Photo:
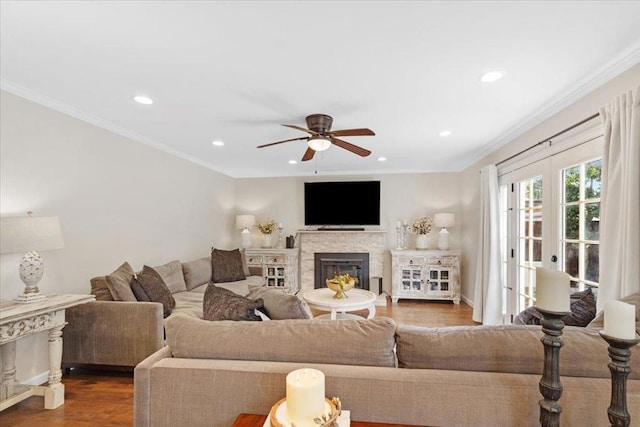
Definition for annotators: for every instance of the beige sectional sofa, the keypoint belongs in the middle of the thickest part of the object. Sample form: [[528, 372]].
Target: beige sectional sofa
[[210, 372], [206, 373]]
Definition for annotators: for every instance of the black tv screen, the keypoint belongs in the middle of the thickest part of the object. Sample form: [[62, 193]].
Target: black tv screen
[[342, 203]]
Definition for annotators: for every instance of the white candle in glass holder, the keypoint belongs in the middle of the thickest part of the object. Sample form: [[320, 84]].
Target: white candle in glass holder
[[305, 396], [552, 290], [620, 320]]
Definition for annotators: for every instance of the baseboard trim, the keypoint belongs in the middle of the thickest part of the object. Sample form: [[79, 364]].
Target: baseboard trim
[[38, 379], [466, 300]]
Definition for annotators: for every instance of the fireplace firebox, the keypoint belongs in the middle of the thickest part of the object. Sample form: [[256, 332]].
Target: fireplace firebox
[[328, 265]]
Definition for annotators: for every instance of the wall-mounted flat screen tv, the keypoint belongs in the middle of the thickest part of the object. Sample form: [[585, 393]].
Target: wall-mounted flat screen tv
[[342, 203]]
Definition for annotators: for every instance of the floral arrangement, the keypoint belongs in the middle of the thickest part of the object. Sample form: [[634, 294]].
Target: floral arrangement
[[422, 225], [268, 226]]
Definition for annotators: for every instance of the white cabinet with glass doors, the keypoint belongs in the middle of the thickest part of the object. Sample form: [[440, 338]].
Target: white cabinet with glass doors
[[425, 275]]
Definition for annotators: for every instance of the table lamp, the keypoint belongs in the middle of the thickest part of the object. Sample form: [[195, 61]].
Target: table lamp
[[444, 220], [27, 235], [244, 223]]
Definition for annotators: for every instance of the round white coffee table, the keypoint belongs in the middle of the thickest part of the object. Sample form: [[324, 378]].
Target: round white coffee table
[[357, 299]]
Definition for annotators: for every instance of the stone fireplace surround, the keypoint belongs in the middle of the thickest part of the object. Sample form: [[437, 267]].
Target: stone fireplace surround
[[339, 241]]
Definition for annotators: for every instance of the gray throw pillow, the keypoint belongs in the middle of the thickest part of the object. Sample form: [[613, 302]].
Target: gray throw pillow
[[222, 304], [148, 284], [227, 266], [280, 305], [119, 283], [100, 289], [583, 310]]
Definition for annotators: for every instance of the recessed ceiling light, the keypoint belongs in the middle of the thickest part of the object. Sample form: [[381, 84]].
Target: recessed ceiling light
[[382, 159], [491, 76], [218, 143], [141, 99], [292, 162], [445, 133]]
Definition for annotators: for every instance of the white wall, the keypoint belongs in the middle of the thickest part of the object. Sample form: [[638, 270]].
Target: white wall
[[401, 196], [585, 107], [117, 201]]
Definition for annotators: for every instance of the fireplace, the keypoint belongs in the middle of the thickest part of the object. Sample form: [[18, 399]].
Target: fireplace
[[327, 265]]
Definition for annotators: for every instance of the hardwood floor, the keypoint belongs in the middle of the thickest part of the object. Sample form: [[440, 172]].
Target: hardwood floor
[[102, 398]]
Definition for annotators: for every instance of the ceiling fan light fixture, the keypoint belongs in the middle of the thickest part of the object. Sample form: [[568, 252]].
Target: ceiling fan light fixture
[[319, 143]]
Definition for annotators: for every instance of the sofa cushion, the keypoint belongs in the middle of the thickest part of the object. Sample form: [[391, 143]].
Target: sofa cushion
[[100, 289], [583, 310], [172, 276], [245, 266], [280, 305], [222, 304], [197, 272], [508, 349], [119, 283], [346, 342], [150, 287], [227, 266]]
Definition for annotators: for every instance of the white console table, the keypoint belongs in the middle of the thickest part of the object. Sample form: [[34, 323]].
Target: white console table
[[21, 320]]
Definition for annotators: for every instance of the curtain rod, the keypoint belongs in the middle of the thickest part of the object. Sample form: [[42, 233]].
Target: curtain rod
[[548, 139]]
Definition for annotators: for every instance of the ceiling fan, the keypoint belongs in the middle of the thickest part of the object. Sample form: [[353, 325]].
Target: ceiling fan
[[322, 137]]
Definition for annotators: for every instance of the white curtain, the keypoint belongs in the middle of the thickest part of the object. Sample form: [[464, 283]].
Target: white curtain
[[620, 209], [487, 301]]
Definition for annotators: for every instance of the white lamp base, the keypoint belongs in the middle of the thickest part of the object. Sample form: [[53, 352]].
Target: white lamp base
[[443, 240], [245, 238], [31, 270]]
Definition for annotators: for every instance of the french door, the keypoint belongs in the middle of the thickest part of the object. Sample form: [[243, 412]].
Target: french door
[[550, 218]]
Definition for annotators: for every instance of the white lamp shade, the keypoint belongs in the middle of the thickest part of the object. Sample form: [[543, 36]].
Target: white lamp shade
[[319, 143], [26, 234], [245, 221], [444, 220]]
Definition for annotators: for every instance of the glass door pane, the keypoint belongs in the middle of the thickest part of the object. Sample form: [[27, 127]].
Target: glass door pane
[[580, 237], [529, 235]]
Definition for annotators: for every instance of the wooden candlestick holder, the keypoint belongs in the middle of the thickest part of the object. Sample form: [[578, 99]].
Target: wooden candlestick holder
[[620, 353], [550, 386]]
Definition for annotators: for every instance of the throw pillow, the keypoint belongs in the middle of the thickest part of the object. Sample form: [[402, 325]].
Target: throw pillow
[[245, 266], [173, 276], [222, 304], [227, 266], [152, 288], [197, 272], [583, 310], [100, 289], [119, 283], [280, 305]]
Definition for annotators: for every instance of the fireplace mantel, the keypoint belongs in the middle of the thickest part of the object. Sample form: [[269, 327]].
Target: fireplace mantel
[[372, 242]]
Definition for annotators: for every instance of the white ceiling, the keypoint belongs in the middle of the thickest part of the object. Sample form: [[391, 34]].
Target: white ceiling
[[236, 70]]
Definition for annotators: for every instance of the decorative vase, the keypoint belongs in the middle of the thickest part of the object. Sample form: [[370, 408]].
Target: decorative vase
[[267, 241], [421, 241]]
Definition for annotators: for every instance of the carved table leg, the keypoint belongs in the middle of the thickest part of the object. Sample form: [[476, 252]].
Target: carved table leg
[[620, 354], [8, 351], [550, 385], [54, 393]]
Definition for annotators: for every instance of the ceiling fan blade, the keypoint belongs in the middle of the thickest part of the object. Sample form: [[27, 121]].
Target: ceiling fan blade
[[308, 155], [302, 129], [280, 142], [352, 132], [350, 147]]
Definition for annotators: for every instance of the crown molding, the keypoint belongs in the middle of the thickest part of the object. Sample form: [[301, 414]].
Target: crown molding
[[607, 72], [61, 107]]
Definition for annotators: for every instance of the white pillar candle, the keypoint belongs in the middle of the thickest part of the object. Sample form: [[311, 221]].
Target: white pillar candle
[[620, 320], [305, 396], [398, 224], [552, 290]]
